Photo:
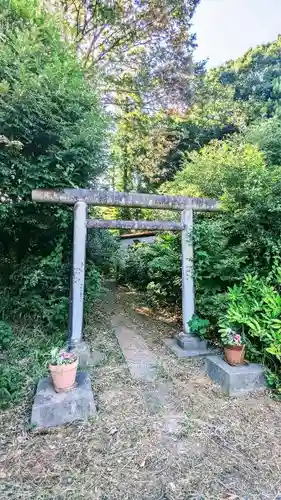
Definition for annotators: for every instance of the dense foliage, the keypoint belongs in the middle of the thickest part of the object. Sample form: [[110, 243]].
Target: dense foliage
[[231, 151], [123, 40], [154, 269], [53, 128], [177, 130], [53, 135], [230, 98], [254, 312]]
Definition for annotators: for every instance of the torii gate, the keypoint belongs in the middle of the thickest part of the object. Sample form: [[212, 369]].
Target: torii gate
[[81, 198]]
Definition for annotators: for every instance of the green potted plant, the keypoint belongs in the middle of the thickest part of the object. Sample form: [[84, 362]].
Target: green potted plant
[[63, 368], [234, 345]]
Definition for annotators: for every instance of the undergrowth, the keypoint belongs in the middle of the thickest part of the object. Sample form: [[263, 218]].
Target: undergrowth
[[24, 359]]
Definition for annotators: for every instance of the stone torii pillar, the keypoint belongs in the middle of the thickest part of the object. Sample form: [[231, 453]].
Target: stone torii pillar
[[81, 198], [188, 297]]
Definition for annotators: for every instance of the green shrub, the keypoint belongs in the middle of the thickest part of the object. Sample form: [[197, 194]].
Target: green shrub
[[6, 335], [217, 265], [155, 269], [11, 380], [102, 248], [245, 238], [25, 361], [274, 383], [199, 326], [39, 289], [254, 309], [133, 263], [92, 286], [53, 135], [54, 132], [164, 272]]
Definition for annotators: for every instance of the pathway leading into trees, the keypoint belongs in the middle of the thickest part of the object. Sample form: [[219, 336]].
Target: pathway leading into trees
[[144, 366], [163, 430]]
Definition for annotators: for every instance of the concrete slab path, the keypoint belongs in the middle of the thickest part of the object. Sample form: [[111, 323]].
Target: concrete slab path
[[141, 361], [143, 367]]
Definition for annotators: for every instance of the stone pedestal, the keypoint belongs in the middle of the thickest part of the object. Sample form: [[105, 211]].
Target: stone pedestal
[[188, 346], [51, 409], [192, 343], [235, 380]]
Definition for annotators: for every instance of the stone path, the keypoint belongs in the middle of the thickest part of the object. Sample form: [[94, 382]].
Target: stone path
[[176, 437], [141, 361], [143, 367]]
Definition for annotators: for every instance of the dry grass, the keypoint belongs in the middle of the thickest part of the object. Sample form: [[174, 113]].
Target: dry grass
[[224, 449]]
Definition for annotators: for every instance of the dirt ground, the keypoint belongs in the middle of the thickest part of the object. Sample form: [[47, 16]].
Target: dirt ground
[[226, 448]]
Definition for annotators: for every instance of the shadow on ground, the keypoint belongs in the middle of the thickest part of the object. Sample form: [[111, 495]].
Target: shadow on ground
[[219, 448]]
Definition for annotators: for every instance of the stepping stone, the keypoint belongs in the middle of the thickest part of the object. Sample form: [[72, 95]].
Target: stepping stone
[[51, 409], [141, 361], [153, 401], [236, 380], [157, 397], [191, 349]]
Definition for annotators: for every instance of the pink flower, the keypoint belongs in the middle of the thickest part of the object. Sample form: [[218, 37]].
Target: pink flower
[[66, 355]]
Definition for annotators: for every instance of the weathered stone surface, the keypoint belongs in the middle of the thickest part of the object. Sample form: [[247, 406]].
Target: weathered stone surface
[[235, 380], [51, 409], [156, 225], [173, 345], [190, 342], [87, 358], [157, 396], [115, 198], [141, 361]]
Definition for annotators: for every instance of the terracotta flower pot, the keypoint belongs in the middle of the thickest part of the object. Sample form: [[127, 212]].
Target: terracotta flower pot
[[63, 376], [234, 355]]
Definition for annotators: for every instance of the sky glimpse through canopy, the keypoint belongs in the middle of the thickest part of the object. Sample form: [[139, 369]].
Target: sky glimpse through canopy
[[225, 29]]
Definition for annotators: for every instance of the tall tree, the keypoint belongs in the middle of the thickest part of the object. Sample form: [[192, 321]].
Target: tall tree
[[53, 136], [141, 47], [142, 51], [255, 77], [140, 144], [229, 98]]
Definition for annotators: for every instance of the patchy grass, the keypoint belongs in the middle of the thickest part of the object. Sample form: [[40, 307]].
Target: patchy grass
[[24, 361], [226, 449]]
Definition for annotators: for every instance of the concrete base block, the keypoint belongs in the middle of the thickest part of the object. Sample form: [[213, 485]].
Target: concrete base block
[[51, 409], [173, 345], [190, 342], [235, 380]]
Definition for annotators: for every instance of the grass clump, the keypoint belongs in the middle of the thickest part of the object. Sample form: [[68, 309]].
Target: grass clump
[[24, 357]]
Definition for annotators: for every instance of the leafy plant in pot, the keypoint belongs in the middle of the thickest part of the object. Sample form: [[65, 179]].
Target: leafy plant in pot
[[63, 369], [234, 346]]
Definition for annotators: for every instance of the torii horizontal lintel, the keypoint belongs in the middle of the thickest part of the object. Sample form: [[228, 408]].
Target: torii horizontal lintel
[[156, 225], [116, 198]]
